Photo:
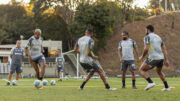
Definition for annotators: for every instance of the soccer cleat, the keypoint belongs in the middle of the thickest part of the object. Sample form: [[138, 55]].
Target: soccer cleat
[[59, 79], [134, 87], [8, 84], [111, 88], [123, 86], [150, 85], [80, 88], [166, 89]]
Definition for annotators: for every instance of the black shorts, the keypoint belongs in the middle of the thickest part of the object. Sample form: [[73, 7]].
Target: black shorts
[[90, 67], [154, 63], [128, 63]]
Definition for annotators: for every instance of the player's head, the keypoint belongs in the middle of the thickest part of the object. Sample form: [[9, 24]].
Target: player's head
[[18, 43], [37, 33], [125, 35], [89, 32], [149, 29]]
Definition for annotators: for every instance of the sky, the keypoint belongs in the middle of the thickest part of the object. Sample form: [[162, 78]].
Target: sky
[[139, 3]]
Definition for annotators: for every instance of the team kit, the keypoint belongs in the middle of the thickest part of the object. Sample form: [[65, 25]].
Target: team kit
[[154, 47]]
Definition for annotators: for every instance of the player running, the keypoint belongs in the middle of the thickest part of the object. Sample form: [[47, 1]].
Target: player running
[[84, 46], [35, 55], [156, 49], [60, 65], [125, 51], [17, 53]]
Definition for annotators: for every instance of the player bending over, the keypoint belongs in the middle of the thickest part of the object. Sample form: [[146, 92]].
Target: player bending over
[[84, 46], [17, 53], [126, 55], [60, 65], [35, 55], [156, 49]]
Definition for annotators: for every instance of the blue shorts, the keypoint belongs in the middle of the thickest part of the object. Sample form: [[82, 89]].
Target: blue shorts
[[60, 68], [16, 67], [40, 59], [128, 63]]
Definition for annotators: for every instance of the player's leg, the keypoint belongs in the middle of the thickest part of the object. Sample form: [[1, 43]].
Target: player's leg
[[60, 76], [143, 71], [12, 70], [101, 74], [42, 63], [123, 79], [86, 80], [124, 67], [133, 78], [35, 65], [42, 66], [163, 78], [132, 70]]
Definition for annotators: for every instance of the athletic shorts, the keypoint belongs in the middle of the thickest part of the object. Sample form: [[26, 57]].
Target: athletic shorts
[[60, 68], [16, 68], [40, 59], [128, 63], [90, 67], [154, 63]]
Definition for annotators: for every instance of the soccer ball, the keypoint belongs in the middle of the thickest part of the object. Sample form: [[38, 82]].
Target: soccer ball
[[38, 84], [14, 82], [45, 82], [52, 82]]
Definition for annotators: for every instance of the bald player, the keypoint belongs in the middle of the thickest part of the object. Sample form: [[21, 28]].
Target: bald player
[[34, 51], [17, 53]]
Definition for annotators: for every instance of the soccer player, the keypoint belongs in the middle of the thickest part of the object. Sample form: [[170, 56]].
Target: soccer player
[[17, 53], [35, 55], [125, 51], [156, 49], [84, 46], [60, 65]]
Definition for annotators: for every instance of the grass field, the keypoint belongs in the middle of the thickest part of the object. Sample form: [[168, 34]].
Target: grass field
[[94, 91]]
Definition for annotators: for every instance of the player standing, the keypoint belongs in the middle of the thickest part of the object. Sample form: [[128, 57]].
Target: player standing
[[35, 55], [125, 51], [60, 65], [84, 46], [17, 53], [156, 49]]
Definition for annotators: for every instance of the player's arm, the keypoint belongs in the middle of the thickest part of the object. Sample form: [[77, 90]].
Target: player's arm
[[120, 52], [42, 49], [76, 48], [12, 51], [91, 45], [146, 47], [135, 49], [166, 62], [26, 49]]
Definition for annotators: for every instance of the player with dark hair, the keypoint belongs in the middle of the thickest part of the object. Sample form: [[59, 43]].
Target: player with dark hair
[[155, 47], [125, 52], [84, 47]]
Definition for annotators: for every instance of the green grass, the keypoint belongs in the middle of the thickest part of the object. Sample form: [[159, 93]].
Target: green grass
[[94, 91]]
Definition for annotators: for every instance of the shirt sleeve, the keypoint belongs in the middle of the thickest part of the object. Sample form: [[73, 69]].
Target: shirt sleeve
[[134, 44], [120, 46], [91, 44], [147, 40], [29, 43]]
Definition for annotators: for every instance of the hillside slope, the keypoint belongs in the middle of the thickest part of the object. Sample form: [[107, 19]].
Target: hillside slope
[[163, 27]]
